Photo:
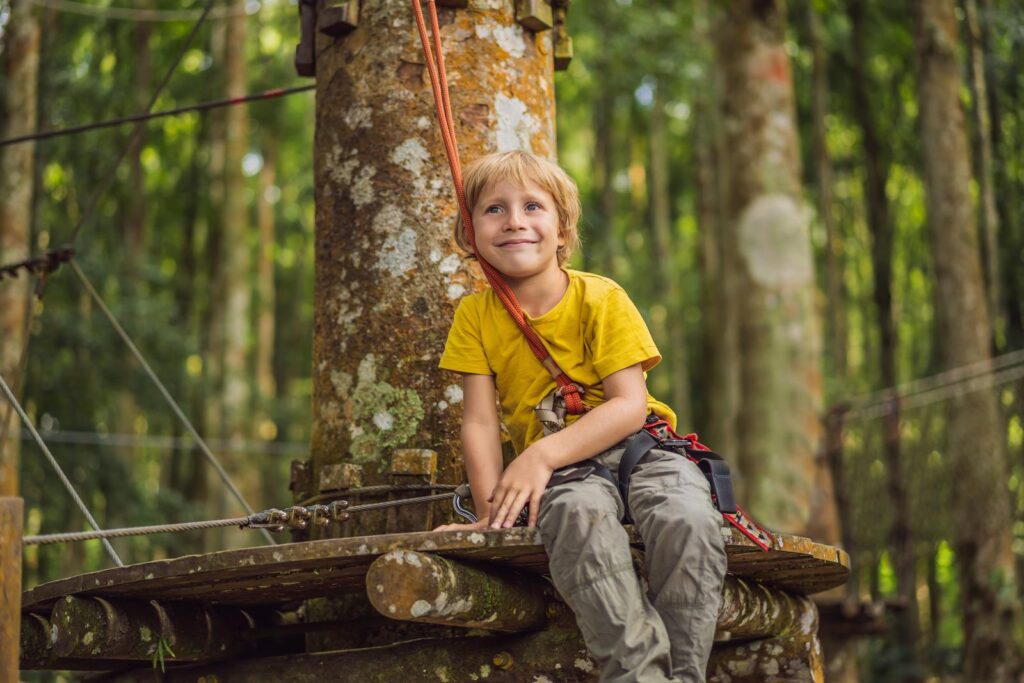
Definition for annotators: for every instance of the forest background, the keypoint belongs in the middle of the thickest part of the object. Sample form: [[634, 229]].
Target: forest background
[[203, 245]]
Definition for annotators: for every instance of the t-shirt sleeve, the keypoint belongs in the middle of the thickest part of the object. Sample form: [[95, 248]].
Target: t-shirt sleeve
[[464, 350], [619, 336]]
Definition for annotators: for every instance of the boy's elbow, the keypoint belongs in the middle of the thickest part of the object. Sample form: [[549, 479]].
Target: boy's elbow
[[637, 412]]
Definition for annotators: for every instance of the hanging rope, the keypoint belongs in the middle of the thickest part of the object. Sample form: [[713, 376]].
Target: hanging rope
[[569, 390], [201, 106], [56, 466], [221, 472]]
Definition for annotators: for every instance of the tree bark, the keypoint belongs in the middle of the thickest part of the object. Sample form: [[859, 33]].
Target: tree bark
[[768, 222], [388, 276], [237, 260], [17, 176], [719, 382], [880, 225], [981, 506], [988, 216]]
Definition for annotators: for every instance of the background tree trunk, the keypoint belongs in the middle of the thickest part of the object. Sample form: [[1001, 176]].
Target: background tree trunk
[[719, 379], [988, 216], [237, 260], [16, 189], [767, 220], [666, 275], [982, 538], [881, 228], [388, 276]]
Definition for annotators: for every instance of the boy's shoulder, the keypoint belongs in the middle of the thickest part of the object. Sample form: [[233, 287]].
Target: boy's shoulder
[[594, 288]]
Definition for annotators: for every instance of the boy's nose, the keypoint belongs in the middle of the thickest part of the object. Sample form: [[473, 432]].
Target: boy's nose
[[516, 220]]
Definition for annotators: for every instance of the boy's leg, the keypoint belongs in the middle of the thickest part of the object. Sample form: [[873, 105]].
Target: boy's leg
[[685, 555], [592, 569]]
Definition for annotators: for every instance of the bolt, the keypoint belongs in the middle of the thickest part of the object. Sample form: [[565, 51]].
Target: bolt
[[503, 660], [552, 611]]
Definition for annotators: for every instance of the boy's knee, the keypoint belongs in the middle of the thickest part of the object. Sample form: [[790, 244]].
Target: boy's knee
[[578, 507]]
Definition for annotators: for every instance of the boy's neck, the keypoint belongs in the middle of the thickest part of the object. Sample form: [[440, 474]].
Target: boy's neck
[[540, 293]]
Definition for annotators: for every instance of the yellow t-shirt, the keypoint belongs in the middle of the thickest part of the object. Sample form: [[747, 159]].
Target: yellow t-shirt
[[593, 331]]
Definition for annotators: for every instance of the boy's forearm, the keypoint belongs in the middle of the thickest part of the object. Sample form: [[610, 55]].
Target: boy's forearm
[[481, 448], [596, 431]]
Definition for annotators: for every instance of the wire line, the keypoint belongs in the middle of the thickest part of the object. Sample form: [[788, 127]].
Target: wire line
[[201, 106], [133, 14], [56, 466], [137, 132], [221, 472]]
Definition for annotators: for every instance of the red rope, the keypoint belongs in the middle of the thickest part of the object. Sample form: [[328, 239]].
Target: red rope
[[569, 390]]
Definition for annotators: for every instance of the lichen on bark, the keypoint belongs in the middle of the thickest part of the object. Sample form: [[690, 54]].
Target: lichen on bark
[[388, 274]]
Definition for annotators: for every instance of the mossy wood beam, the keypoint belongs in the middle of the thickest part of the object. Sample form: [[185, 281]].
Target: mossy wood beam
[[413, 586], [94, 629], [790, 652], [556, 653]]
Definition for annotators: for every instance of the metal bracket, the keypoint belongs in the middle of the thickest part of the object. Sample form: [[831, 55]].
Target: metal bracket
[[534, 15], [339, 20], [562, 39], [305, 51]]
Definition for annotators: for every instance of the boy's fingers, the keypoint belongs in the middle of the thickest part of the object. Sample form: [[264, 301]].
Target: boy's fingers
[[501, 503], [517, 505], [535, 508]]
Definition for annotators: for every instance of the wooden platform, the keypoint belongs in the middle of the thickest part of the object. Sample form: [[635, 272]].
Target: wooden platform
[[270, 575]]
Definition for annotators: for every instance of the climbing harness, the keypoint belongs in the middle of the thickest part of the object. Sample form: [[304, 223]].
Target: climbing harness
[[567, 398]]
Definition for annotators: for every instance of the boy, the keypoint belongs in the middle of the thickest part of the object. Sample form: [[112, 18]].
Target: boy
[[524, 210]]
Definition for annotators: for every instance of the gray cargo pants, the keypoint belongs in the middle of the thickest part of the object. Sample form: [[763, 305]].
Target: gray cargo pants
[[664, 633]]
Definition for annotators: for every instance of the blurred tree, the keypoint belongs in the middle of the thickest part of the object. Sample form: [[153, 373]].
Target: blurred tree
[[767, 220], [982, 538], [876, 173], [17, 176]]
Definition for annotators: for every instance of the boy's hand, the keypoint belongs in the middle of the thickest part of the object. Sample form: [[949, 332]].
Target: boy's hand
[[523, 481], [479, 525]]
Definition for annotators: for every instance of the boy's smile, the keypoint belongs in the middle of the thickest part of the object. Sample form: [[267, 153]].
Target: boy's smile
[[517, 229]]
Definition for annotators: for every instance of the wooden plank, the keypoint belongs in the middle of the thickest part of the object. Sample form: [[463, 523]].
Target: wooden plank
[[10, 586], [276, 574]]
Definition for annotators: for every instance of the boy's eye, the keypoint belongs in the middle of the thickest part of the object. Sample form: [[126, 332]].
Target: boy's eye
[[492, 209], [532, 206]]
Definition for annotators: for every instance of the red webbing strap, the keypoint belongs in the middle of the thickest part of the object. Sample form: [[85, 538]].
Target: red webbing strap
[[739, 519], [569, 390]]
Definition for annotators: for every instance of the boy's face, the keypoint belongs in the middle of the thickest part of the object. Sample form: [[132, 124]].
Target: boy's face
[[517, 229]]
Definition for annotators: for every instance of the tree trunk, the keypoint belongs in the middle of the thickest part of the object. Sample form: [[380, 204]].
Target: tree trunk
[[237, 292], [825, 523], [16, 190], [666, 275], [780, 381], [599, 252], [719, 382], [836, 304], [988, 217], [880, 225], [388, 276], [266, 386], [982, 538]]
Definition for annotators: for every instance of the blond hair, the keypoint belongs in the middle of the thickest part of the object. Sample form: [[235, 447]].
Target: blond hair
[[522, 167]]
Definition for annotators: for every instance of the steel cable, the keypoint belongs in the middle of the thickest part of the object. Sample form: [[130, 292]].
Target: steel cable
[[149, 116], [241, 522], [60, 472], [166, 394]]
